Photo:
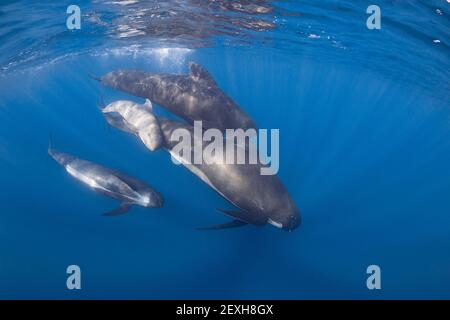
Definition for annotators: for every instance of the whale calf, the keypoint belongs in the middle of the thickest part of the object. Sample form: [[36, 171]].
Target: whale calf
[[193, 96], [139, 121], [128, 190], [261, 199]]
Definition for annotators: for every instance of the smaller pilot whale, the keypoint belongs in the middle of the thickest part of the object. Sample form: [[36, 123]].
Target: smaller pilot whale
[[128, 190], [140, 121], [193, 96]]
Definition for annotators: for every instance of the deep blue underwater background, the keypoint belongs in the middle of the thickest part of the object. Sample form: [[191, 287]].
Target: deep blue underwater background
[[364, 119]]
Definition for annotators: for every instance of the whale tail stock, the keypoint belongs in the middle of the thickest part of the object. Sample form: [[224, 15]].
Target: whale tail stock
[[61, 158], [50, 138]]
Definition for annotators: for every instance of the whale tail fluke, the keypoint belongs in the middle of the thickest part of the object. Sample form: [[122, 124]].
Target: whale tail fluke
[[50, 144], [101, 103], [58, 157]]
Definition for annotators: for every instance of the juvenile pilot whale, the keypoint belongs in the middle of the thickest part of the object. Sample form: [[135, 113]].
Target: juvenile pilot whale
[[262, 199], [140, 121], [195, 96], [128, 190]]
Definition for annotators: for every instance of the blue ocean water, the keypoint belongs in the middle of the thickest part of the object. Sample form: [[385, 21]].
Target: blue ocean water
[[364, 119]]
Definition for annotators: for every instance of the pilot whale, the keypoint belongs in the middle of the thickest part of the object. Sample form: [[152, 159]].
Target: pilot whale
[[140, 121], [193, 96], [261, 199], [128, 190]]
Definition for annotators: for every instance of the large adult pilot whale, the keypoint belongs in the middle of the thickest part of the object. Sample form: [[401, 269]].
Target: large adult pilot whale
[[128, 190], [192, 96], [262, 199]]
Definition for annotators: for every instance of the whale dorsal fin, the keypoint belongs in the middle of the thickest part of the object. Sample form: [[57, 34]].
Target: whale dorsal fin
[[148, 105], [200, 74]]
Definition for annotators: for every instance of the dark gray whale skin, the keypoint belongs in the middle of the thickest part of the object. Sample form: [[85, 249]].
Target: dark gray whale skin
[[128, 190], [262, 198], [193, 96]]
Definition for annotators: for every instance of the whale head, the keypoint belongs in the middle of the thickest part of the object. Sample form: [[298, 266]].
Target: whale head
[[286, 217], [151, 199]]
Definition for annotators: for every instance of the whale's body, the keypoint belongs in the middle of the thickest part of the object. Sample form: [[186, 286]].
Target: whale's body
[[140, 121], [193, 96], [261, 199], [128, 190]]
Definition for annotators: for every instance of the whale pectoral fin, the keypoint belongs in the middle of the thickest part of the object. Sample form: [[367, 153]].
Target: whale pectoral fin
[[124, 207], [227, 225], [246, 216], [199, 73], [117, 121]]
